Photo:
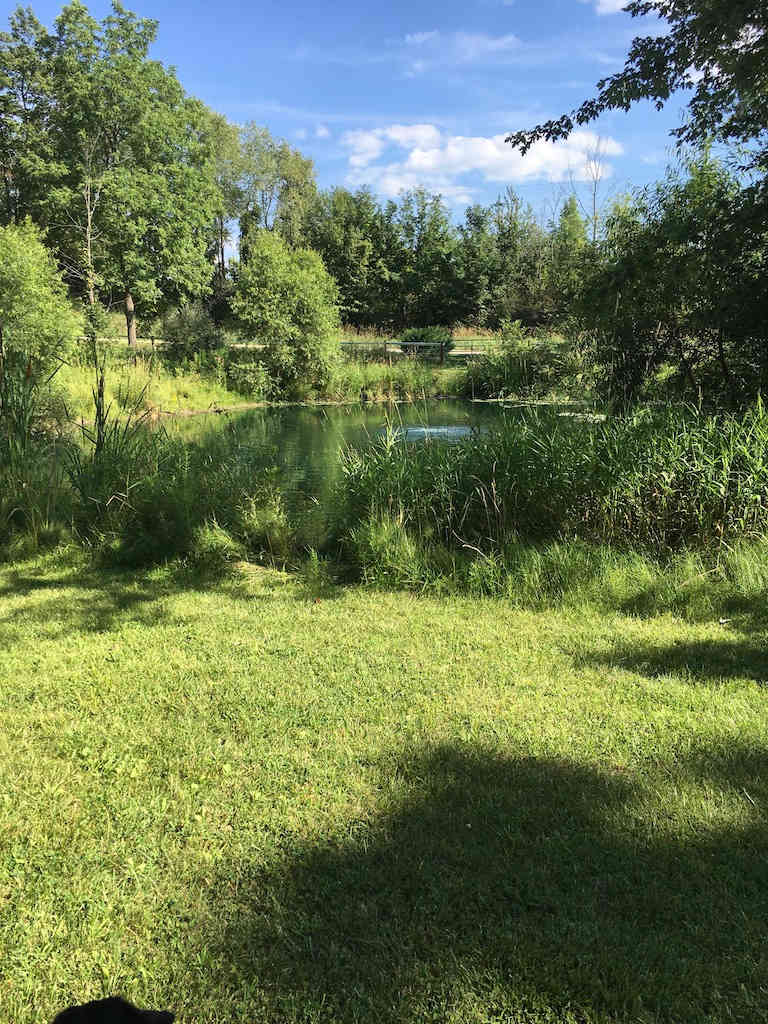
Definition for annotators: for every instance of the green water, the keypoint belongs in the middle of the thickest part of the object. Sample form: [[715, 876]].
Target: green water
[[303, 442]]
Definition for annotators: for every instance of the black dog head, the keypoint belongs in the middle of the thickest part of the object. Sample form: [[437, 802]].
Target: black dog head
[[112, 1011]]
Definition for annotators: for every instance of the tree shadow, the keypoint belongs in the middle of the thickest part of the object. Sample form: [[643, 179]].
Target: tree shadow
[[700, 661], [515, 889], [703, 603], [98, 599]]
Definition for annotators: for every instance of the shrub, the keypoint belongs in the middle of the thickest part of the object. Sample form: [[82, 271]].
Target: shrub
[[250, 379], [37, 323], [189, 330], [528, 364], [213, 549], [288, 301]]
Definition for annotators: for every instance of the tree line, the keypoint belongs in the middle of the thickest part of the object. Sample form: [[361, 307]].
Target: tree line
[[138, 190]]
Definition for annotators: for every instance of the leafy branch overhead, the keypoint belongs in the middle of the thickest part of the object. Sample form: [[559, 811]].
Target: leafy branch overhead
[[715, 49]]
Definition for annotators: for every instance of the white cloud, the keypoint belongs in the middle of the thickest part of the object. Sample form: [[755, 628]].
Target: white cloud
[[301, 133], [419, 38], [322, 132], [413, 136], [438, 49], [476, 45], [368, 146], [610, 6], [422, 155]]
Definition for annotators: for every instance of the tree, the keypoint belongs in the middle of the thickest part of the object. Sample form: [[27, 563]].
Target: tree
[[227, 174], [679, 281], [24, 109], [521, 286], [477, 265], [569, 239], [426, 270], [716, 48], [344, 227], [288, 301], [277, 186], [37, 323], [118, 167]]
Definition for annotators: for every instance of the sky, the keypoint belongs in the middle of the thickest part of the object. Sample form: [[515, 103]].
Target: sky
[[399, 94]]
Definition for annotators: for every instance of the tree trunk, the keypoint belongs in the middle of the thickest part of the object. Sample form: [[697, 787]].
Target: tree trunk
[[130, 318], [727, 376], [90, 275], [222, 264]]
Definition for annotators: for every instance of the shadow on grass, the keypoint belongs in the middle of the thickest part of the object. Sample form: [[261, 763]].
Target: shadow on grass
[[702, 661], [99, 599], [94, 599], [522, 890], [702, 601]]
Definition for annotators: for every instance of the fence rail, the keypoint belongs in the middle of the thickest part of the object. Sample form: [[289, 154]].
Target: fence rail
[[465, 347]]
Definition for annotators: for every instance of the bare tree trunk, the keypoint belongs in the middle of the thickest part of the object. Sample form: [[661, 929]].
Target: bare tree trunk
[[89, 273], [130, 318], [687, 368], [222, 265]]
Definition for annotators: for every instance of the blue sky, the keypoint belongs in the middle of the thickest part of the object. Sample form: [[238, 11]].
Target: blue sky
[[399, 94]]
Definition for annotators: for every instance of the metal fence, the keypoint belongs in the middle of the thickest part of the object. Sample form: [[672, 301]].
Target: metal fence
[[385, 348]]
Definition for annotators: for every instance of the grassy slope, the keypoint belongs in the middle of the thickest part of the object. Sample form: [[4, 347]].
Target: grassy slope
[[251, 802], [161, 389], [124, 385]]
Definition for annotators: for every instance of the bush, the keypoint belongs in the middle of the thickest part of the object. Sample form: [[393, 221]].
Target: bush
[[37, 324], [213, 550], [189, 330], [249, 379], [413, 342], [288, 301], [530, 365]]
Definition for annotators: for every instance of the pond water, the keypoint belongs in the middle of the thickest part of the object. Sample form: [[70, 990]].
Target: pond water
[[304, 441]]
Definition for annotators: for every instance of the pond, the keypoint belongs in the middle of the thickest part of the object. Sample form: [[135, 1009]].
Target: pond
[[304, 441]]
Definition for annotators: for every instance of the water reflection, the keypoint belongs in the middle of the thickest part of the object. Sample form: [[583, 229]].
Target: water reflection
[[303, 442]]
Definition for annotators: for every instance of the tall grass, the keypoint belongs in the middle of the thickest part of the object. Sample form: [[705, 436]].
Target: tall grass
[[404, 379], [146, 497], [530, 366], [655, 482], [32, 499]]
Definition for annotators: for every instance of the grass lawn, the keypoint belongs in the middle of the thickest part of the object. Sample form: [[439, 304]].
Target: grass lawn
[[249, 801]]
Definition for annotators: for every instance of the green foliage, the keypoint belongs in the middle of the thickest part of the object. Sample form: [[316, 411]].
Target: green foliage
[[409, 379], [287, 301], [655, 481], [276, 187], [189, 329], [678, 284], [33, 505], [404, 264], [143, 496], [716, 48], [426, 342], [250, 379], [103, 131], [213, 550], [345, 228], [569, 256], [528, 364], [37, 324]]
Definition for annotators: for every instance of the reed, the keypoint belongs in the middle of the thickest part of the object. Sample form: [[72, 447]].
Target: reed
[[654, 482]]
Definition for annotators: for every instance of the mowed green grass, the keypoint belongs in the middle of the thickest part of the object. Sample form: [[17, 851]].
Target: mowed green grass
[[253, 801]]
